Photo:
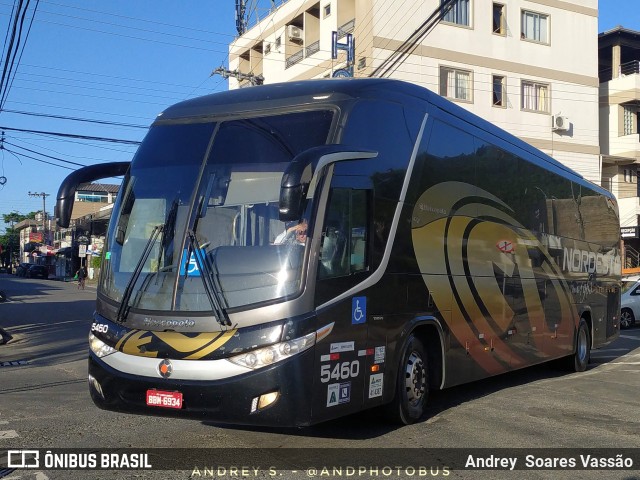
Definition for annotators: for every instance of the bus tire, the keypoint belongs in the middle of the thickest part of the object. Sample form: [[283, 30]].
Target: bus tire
[[580, 359], [412, 386]]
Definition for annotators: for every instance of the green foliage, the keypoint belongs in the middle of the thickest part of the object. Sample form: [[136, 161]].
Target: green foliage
[[16, 217], [96, 261]]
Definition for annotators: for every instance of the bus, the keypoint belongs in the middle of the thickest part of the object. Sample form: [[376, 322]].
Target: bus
[[431, 249]]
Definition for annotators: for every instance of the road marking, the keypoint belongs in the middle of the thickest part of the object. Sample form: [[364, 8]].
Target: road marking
[[630, 337], [610, 350], [14, 363], [8, 434]]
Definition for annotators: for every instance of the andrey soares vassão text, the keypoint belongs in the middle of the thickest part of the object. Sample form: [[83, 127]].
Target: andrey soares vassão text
[[585, 461]]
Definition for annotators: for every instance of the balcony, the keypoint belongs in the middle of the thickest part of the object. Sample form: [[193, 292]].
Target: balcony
[[294, 58], [346, 28], [630, 68], [312, 48]]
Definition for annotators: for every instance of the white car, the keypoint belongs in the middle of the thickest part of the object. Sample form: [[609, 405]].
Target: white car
[[630, 302]]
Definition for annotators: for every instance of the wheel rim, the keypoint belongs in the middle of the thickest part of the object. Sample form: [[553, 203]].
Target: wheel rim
[[625, 319], [415, 379], [582, 345]]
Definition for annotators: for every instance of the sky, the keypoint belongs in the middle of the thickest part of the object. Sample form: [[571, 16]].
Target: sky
[[120, 62]]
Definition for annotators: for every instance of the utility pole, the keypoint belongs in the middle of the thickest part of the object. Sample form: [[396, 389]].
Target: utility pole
[[44, 214]]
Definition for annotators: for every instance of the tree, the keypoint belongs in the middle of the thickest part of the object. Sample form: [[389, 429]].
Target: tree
[[10, 241]]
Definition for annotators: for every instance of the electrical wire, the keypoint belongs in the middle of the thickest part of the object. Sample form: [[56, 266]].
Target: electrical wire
[[73, 135]]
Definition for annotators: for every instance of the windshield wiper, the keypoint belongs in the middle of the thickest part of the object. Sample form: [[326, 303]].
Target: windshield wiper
[[213, 294], [123, 309]]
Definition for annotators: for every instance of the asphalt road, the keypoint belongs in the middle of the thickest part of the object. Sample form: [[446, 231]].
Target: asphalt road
[[44, 403]]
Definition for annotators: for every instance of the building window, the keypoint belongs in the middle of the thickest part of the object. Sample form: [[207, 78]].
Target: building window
[[455, 83], [267, 48], [499, 19], [326, 10], [95, 197], [535, 97], [630, 175], [628, 121], [278, 42], [458, 14], [535, 26], [499, 91]]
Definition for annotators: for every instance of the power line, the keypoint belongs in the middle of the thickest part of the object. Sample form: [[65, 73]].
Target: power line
[[45, 155], [76, 119], [72, 135], [8, 71], [37, 159]]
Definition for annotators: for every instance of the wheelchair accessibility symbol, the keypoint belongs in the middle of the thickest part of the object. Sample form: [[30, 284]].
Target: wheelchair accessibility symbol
[[358, 310]]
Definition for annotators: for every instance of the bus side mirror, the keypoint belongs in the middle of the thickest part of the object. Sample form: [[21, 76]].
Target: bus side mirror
[[298, 175], [67, 190]]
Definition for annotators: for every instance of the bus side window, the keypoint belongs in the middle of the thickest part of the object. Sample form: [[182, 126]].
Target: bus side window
[[345, 233]]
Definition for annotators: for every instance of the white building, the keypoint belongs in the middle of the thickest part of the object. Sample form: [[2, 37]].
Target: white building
[[521, 64]]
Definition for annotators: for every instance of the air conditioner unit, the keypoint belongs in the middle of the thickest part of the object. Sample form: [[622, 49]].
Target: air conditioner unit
[[560, 123], [294, 33]]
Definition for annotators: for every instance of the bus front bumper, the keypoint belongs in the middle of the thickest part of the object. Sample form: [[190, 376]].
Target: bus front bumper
[[232, 400]]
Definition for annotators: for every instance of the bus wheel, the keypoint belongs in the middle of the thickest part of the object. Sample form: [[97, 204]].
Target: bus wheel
[[413, 386], [580, 359]]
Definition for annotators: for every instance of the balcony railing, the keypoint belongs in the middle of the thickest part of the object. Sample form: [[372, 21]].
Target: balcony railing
[[630, 68], [295, 58], [312, 48], [346, 28]]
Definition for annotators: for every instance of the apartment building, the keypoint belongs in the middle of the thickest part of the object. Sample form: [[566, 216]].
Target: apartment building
[[528, 66], [619, 60]]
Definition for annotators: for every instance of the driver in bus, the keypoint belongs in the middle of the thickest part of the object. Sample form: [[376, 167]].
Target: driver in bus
[[293, 234]]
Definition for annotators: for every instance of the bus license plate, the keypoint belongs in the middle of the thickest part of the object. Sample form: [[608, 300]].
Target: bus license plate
[[158, 398]]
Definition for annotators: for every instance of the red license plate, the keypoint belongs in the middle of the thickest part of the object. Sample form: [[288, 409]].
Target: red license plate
[[158, 398]]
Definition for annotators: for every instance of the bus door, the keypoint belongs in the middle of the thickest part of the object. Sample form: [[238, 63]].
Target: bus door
[[341, 359]]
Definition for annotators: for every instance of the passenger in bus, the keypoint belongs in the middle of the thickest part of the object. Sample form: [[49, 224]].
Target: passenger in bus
[[295, 233]]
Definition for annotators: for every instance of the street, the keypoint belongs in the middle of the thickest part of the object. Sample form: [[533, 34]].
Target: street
[[44, 403]]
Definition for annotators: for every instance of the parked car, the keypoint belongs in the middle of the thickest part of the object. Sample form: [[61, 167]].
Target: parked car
[[21, 270], [38, 271], [630, 303]]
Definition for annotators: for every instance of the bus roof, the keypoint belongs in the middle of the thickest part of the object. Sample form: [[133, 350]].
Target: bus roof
[[310, 92]]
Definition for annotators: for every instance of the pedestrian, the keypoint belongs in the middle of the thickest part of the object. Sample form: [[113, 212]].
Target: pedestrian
[[82, 275]]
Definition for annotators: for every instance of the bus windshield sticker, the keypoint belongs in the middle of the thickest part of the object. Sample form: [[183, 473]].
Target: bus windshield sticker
[[193, 269], [358, 310]]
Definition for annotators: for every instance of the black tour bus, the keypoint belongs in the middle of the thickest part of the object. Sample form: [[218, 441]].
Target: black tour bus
[[439, 250]]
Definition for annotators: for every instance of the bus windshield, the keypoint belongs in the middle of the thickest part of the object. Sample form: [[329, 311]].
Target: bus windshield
[[196, 222]]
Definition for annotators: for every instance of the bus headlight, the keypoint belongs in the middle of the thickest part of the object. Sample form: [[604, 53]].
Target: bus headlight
[[100, 348], [263, 357]]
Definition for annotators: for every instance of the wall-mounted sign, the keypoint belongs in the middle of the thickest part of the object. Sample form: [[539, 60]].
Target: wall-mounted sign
[[629, 232], [35, 237]]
